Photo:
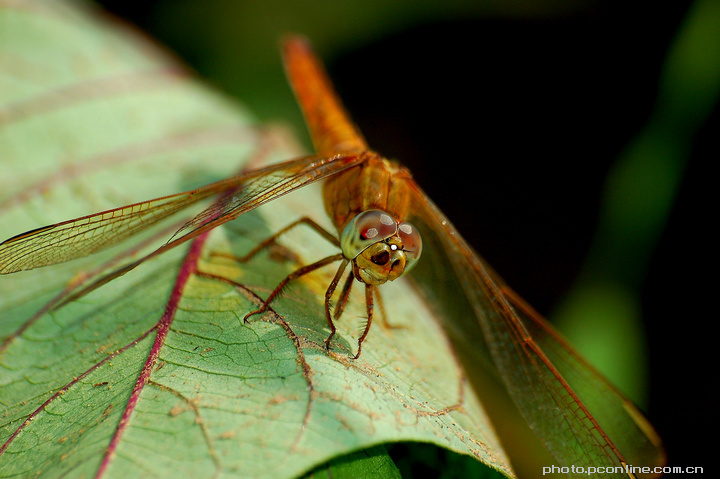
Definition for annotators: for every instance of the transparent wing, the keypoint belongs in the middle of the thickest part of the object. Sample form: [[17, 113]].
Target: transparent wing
[[80, 237], [580, 417]]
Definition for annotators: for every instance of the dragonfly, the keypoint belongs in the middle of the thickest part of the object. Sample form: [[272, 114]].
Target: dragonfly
[[375, 205]]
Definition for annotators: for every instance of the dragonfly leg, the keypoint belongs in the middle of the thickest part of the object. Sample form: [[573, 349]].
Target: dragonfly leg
[[369, 291], [328, 296], [268, 242], [344, 296], [383, 315], [374, 296], [294, 275]]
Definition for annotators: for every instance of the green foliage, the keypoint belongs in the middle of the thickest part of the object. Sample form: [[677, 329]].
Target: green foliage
[[94, 116]]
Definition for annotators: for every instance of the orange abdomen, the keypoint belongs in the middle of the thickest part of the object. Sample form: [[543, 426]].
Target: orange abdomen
[[376, 183]]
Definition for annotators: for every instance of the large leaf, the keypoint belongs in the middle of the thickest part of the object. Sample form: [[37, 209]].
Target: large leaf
[[155, 373]]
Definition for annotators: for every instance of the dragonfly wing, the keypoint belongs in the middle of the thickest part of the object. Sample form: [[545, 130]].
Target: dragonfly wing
[[630, 431], [572, 408], [80, 237], [273, 183]]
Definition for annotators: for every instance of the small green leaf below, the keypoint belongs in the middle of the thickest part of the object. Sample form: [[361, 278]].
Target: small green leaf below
[[370, 463], [93, 116], [415, 459]]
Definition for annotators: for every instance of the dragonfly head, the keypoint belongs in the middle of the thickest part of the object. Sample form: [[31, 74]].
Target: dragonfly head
[[381, 249]]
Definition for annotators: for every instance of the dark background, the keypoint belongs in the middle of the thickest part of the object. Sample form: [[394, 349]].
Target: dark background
[[511, 118]]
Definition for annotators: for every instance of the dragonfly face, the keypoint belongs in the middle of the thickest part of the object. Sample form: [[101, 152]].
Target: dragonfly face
[[381, 249]]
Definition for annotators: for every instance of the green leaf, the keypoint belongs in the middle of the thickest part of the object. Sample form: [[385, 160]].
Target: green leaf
[[155, 374], [370, 463]]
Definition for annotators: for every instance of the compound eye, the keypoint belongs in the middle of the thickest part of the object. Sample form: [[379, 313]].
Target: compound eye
[[374, 225], [412, 244], [365, 229]]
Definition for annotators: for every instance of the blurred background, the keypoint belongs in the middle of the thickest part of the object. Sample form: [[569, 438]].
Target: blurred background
[[567, 140]]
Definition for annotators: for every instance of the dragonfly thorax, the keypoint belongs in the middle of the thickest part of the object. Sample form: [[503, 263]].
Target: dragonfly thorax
[[374, 184], [381, 249]]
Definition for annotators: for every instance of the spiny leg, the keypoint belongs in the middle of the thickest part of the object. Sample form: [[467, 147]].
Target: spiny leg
[[383, 315], [372, 294], [294, 275], [381, 305], [344, 296], [272, 239], [328, 296], [369, 289]]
